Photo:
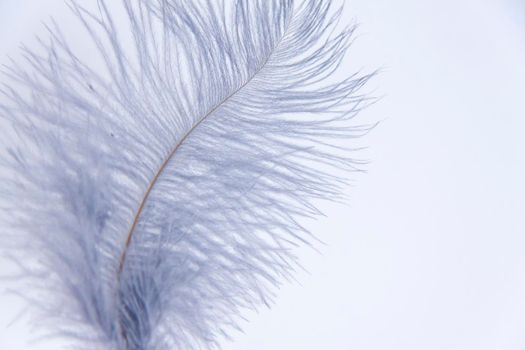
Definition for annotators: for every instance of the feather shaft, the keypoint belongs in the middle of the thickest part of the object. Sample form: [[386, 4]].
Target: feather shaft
[[171, 155]]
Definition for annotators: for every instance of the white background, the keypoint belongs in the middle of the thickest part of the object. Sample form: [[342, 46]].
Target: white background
[[430, 254]]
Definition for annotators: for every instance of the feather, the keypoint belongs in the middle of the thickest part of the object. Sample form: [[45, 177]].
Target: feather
[[151, 201]]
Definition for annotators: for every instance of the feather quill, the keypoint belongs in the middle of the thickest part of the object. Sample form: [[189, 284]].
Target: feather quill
[[150, 202]]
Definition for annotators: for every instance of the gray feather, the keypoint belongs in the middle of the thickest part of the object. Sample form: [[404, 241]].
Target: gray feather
[[151, 203]]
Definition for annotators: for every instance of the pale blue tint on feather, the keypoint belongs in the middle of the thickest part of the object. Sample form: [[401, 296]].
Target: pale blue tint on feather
[[253, 82]]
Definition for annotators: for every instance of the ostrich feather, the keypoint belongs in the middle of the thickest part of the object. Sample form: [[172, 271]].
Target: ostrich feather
[[149, 202]]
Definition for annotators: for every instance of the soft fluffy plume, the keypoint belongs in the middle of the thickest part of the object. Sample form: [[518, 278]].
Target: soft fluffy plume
[[150, 203]]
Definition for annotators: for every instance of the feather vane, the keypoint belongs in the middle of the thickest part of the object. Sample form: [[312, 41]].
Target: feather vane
[[163, 195]]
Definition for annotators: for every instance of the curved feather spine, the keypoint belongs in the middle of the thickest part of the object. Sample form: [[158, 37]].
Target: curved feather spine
[[168, 159]]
